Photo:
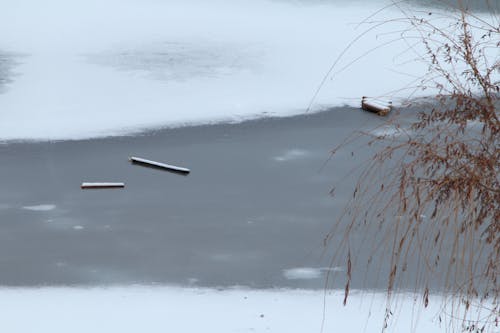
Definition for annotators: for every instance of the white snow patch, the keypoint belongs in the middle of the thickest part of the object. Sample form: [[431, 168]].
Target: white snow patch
[[289, 155], [309, 273], [87, 185], [302, 273], [101, 68], [193, 281], [161, 309], [40, 208], [378, 104], [390, 131]]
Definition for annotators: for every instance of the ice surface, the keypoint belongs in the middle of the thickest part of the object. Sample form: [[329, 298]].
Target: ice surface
[[291, 154], [308, 273], [95, 68], [390, 131], [99, 68], [170, 309], [302, 273], [41, 208]]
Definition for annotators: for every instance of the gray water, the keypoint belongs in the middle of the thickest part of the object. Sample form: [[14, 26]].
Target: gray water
[[255, 206], [492, 6], [254, 211]]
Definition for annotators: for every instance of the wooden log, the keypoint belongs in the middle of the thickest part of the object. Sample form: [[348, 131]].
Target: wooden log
[[158, 165], [380, 110], [87, 186]]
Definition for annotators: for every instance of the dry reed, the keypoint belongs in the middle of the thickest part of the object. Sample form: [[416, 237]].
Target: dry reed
[[434, 192]]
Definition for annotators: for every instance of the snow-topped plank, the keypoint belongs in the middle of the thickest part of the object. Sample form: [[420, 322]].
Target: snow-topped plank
[[158, 165], [376, 107], [104, 185]]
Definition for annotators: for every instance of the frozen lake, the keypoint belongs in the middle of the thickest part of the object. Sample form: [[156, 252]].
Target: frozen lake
[[237, 245], [83, 69], [86, 84]]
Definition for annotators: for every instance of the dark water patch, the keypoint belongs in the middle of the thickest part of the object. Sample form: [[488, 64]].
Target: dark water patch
[[254, 210], [483, 6], [245, 215]]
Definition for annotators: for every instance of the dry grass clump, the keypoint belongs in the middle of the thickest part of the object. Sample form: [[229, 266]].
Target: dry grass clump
[[434, 192]]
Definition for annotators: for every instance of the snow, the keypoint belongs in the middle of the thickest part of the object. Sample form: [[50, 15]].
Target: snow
[[378, 104], [390, 131], [93, 68], [302, 273], [289, 155], [101, 185], [175, 309], [307, 273], [40, 208]]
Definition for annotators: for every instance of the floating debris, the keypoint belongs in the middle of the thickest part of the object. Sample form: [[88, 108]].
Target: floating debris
[[85, 186], [158, 165], [375, 107]]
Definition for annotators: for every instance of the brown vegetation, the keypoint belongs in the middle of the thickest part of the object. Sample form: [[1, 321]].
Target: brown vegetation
[[434, 192]]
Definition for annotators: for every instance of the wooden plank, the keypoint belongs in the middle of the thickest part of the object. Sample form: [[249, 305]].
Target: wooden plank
[[159, 165], [86, 186], [375, 108]]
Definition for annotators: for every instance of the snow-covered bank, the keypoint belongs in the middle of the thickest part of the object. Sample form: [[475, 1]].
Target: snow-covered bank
[[171, 309], [100, 68]]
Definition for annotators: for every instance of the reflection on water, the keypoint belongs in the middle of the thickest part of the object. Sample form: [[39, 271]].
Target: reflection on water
[[178, 61]]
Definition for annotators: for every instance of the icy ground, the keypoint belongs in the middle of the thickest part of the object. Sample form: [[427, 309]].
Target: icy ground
[[171, 309], [98, 68]]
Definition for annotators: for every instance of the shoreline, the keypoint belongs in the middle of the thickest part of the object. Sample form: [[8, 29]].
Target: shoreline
[[135, 309], [256, 119]]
